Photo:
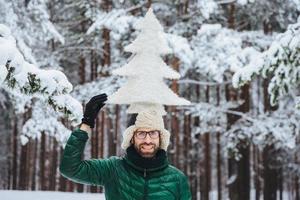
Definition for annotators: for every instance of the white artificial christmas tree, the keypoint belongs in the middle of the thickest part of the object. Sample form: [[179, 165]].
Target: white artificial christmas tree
[[145, 88]]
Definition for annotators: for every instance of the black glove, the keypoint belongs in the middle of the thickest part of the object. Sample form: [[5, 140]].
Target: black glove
[[92, 108]]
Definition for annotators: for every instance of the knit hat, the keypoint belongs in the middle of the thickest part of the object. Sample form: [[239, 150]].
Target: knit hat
[[147, 119]]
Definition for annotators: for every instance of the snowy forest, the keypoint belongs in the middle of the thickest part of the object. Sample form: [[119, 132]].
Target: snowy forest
[[235, 61]]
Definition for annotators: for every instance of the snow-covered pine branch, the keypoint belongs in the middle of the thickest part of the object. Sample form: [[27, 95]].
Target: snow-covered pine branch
[[38, 10], [279, 128], [213, 117], [117, 21], [281, 61], [18, 74], [220, 51], [207, 7], [44, 120]]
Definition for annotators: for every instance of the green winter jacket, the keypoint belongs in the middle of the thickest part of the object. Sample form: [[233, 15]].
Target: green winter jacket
[[122, 179]]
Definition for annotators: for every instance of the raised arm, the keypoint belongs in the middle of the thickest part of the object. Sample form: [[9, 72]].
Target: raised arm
[[92, 171]]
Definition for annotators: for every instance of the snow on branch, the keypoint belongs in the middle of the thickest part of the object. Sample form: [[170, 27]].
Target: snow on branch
[[219, 51], [207, 7], [276, 128], [281, 62], [116, 20], [38, 10], [20, 75], [213, 117], [34, 127], [280, 128]]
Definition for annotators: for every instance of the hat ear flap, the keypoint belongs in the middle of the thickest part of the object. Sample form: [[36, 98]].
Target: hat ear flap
[[165, 139], [132, 140], [127, 136]]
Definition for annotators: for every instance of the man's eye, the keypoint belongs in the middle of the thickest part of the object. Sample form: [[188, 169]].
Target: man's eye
[[142, 133]]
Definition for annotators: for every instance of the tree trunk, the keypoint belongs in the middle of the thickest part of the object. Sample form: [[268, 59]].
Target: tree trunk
[[93, 66], [219, 159], [23, 169], [149, 2], [82, 70], [270, 175], [52, 184], [42, 162], [106, 60], [206, 171], [257, 173], [15, 154], [174, 120], [62, 180], [297, 189], [116, 128], [187, 139], [34, 174], [240, 187], [231, 15], [280, 184], [101, 148], [110, 134], [93, 154]]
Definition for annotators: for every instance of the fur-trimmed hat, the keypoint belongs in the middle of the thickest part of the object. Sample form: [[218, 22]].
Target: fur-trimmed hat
[[147, 119]]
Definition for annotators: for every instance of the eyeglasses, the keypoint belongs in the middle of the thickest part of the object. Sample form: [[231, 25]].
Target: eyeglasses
[[143, 134]]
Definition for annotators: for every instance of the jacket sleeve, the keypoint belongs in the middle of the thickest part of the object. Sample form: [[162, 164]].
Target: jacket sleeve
[[185, 192], [91, 172]]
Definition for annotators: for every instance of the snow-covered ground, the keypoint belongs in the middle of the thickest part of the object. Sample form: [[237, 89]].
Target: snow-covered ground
[[47, 195]]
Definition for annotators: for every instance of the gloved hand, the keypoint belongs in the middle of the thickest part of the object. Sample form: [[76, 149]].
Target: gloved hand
[[92, 109]]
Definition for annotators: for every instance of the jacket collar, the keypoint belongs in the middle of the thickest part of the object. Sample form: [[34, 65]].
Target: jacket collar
[[135, 160]]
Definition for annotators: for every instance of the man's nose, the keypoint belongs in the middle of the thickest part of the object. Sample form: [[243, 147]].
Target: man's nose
[[148, 138]]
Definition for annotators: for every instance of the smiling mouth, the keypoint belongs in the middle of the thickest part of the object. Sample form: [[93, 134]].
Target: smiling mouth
[[147, 147]]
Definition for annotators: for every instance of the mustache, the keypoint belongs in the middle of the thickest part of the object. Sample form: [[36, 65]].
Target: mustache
[[147, 144]]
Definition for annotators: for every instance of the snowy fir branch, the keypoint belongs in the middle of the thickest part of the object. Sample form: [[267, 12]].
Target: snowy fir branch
[[280, 62], [277, 128], [213, 117], [38, 11], [220, 51], [20, 75], [115, 21], [204, 83], [34, 127], [280, 128]]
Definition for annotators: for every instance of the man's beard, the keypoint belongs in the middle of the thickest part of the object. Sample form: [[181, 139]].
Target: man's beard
[[146, 154]]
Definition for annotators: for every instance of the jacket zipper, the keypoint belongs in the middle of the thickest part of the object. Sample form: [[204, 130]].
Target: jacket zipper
[[146, 185]]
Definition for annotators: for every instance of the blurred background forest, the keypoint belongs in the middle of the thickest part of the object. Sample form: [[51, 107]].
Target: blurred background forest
[[239, 66]]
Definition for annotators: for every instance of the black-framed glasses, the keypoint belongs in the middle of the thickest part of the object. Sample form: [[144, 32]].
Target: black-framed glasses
[[143, 134]]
